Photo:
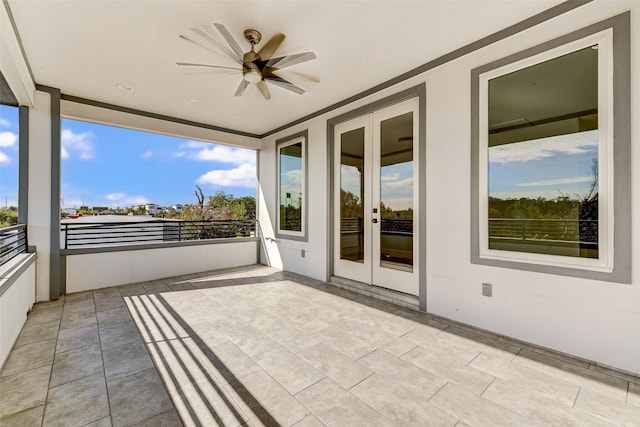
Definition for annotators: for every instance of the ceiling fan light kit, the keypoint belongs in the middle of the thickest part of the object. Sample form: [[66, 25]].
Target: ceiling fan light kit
[[258, 68]]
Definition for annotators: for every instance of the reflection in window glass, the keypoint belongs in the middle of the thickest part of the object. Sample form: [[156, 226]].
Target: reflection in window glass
[[291, 185], [396, 192], [543, 157], [352, 195]]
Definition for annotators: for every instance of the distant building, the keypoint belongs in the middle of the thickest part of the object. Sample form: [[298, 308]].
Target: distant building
[[177, 208], [69, 211], [151, 208], [100, 208]]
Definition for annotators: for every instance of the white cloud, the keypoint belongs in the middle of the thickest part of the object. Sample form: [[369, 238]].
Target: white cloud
[[123, 199], [242, 176], [4, 122], [147, 154], [8, 139], [395, 188], [4, 159], [538, 149], [217, 153], [114, 197], [560, 181], [78, 143]]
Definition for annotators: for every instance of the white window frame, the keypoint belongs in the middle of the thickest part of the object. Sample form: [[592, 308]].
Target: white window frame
[[604, 263], [300, 138]]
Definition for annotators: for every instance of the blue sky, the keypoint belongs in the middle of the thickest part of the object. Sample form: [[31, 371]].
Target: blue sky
[[546, 167], [116, 167], [8, 156]]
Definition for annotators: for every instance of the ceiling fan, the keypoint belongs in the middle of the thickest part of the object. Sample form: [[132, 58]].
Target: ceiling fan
[[258, 68]]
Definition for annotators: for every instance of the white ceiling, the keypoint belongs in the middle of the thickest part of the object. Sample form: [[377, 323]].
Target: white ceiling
[[124, 52]]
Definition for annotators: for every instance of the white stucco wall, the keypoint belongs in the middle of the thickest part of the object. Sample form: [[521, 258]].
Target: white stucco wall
[[596, 320], [100, 270], [16, 301]]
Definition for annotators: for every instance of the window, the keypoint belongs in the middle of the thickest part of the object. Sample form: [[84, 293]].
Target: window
[[292, 187], [9, 162], [546, 159]]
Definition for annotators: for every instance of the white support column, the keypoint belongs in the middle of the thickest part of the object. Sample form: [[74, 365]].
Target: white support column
[[39, 195]]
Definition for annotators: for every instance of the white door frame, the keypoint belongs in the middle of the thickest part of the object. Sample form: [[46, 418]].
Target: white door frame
[[370, 270], [420, 181]]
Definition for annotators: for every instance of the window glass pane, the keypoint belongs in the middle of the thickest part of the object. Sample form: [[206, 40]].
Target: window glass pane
[[9, 127], [352, 195], [543, 157], [291, 184], [396, 192]]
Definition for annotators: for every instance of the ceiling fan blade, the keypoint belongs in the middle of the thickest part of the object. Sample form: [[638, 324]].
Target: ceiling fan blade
[[210, 72], [241, 87], [189, 39], [264, 90], [279, 81], [271, 46], [216, 43], [302, 76], [229, 38], [289, 60], [191, 64]]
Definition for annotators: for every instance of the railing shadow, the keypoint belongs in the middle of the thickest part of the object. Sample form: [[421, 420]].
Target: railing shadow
[[152, 309]]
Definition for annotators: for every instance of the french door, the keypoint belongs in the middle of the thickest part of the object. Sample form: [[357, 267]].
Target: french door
[[375, 198]]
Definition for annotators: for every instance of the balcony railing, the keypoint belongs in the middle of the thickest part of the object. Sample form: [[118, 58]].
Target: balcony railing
[[100, 234], [13, 241], [554, 230]]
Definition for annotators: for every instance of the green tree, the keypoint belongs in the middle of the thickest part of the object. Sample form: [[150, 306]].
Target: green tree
[[8, 216]]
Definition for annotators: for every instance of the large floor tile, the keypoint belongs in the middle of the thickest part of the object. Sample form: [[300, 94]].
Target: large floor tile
[[575, 374], [345, 343], [24, 390], [70, 339], [37, 332], [265, 401], [120, 334], [403, 373], [125, 360], [608, 408], [335, 365], [45, 315], [335, 406], [62, 408], [399, 405], [137, 397], [473, 409], [538, 408], [78, 318], [113, 317], [29, 356], [169, 418], [74, 364], [30, 417], [208, 403], [448, 369], [526, 377], [292, 372]]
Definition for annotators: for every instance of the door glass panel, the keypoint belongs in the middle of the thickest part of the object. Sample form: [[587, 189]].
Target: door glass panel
[[352, 195], [396, 192]]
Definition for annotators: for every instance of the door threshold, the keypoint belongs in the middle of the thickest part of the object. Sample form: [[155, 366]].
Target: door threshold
[[377, 292]]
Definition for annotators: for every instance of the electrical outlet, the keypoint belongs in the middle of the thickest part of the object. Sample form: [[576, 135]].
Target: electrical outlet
[[487, 289], [302, 253]]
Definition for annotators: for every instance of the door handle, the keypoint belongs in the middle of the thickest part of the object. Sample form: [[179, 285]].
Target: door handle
[[374, 220]]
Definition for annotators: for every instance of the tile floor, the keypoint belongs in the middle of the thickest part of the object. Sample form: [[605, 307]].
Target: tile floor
[[254, 346]]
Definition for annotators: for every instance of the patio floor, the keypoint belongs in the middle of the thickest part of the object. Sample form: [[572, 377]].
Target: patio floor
[[255, 346]]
